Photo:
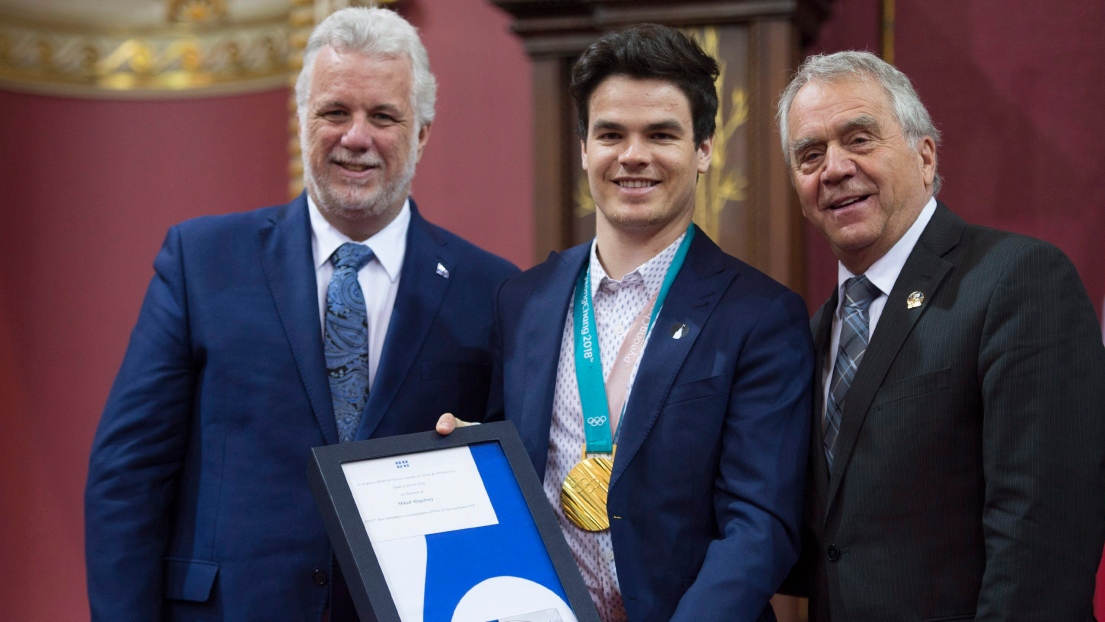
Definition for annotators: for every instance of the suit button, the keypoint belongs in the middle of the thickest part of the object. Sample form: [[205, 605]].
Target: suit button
[[319, 577], [832, 553]]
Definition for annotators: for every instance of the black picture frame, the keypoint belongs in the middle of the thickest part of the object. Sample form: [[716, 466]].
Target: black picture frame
[[349, 537]]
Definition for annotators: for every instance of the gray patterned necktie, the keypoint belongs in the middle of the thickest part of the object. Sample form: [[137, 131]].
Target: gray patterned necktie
[[346, 340], [858, 294]]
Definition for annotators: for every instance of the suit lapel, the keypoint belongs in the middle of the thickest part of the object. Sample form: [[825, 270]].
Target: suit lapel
[[923, 271], [421, 291], [287, 260], [693, 296], [547, 311]]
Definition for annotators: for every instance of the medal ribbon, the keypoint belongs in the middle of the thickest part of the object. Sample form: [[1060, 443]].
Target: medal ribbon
[[597, 408]]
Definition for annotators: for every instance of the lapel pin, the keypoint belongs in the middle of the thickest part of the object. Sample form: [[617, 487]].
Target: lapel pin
[[678, 330], [914, 300], [442, 272]]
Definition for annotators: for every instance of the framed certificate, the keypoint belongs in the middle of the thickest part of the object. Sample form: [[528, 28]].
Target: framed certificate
[[431, 528]]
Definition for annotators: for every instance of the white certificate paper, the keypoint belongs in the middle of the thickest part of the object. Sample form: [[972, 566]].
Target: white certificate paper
[[419, 494]]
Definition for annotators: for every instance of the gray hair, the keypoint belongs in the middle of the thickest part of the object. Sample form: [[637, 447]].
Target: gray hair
[[376, 32], [908, 110]]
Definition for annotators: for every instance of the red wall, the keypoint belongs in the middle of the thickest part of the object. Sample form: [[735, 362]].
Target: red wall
[[90, 186], [476, 175], [89, 189]]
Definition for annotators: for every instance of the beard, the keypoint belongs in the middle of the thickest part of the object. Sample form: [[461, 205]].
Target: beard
[[352, 201]]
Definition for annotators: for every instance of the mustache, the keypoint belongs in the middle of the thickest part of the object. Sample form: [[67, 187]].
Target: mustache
[[345, 156]]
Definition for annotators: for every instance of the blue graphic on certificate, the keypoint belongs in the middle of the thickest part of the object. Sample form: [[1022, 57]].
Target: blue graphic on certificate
[[455, 539]]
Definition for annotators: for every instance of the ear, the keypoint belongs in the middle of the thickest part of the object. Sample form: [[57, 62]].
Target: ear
[[583, 153], [926, 154], [705, 153], [423, 138]]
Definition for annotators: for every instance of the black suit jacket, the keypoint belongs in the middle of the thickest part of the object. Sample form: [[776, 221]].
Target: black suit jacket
[[969, 478]]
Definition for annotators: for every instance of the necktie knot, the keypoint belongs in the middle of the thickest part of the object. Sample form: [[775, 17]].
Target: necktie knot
[[859, 292], [351, 255]]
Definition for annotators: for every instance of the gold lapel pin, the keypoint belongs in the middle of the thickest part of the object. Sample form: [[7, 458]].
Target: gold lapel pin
[[914, 300]]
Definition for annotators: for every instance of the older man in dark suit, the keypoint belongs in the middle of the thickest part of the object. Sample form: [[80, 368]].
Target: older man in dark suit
[[957, 468]]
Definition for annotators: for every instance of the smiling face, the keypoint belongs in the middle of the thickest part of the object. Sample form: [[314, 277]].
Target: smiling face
[[858, 179], [641, 160], [361, 140]]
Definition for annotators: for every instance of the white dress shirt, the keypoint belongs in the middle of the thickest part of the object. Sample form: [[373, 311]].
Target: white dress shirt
[[616, 305], [882, 274], [379, 278]]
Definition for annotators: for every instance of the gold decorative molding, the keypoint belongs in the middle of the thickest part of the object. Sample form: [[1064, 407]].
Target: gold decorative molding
[[584, 203], [170, 60], [725, 181], [887, 30], [196, 10], [301, 20]]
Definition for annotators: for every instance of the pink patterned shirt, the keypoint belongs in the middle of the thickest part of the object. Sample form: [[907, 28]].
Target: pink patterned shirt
[[616, 305]]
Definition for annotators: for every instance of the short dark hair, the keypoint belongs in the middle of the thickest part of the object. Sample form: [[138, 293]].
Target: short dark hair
[[644, 52]]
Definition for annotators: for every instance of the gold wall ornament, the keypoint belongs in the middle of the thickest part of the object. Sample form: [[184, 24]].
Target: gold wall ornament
[[301, 20], [184, 11], [584, 203], [168, 60], [725, 182], [887, 30]]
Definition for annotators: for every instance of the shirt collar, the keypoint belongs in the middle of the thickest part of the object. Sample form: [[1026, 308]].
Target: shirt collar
[[388, 245], [651, 273], [884, 272]]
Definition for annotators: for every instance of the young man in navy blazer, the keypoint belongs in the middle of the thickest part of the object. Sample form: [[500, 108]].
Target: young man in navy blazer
[[700, 521], [197, 505]]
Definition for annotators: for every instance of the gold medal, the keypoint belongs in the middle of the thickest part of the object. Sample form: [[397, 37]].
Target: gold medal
[[583, 495]]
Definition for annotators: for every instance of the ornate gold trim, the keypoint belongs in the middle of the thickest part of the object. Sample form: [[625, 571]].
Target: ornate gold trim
[[724, 182], [301, 20], [171, 60], [196, 10], [888, 31]]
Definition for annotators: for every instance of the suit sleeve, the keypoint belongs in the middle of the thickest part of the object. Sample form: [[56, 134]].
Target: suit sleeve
[[798, 582], [759, 488], [1042, 375], [137, 453]]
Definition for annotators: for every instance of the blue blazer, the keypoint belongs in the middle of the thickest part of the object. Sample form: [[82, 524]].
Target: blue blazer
[[706, 495], [197, 505]]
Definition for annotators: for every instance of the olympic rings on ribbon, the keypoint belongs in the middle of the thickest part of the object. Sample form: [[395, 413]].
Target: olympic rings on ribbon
[[593, 421]]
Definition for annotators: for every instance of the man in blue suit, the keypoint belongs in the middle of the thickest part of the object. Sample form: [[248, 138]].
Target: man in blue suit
[[197, 505], [695, 516]]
